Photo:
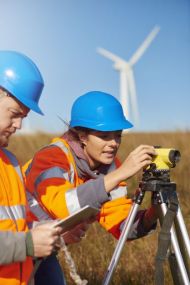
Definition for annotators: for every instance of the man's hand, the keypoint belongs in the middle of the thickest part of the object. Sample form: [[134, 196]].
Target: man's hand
[[45, 239]]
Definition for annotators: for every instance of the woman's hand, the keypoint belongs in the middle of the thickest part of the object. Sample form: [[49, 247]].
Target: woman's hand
[[76, 234], [138, 159]]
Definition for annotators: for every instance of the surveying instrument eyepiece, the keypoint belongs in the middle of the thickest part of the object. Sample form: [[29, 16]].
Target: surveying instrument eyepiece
[[173, 240]]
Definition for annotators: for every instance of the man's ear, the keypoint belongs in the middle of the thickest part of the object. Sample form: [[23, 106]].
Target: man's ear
[[82, 138]]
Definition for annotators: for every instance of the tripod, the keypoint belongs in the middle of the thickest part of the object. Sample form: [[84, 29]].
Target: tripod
[[177, 245]]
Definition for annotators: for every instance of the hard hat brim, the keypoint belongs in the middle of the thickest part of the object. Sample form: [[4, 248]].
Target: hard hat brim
[[104, 127], [30, 104]]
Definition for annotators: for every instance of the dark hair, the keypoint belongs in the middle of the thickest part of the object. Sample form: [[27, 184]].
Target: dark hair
[[73, 133]]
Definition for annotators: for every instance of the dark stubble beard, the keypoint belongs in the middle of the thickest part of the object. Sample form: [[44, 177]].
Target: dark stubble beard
[[4, 141]]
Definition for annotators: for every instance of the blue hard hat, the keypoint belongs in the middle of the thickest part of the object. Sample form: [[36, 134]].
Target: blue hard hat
[[98, 111], [21, 78]]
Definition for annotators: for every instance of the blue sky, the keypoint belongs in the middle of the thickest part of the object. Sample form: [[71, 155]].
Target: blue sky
[[62, 36]]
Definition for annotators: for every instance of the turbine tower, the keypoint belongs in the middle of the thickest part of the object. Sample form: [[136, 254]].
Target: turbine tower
[[128, 97]]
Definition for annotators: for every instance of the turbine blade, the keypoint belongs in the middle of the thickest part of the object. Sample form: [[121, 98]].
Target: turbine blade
[[133, 96], [110, 55], [139, 52]]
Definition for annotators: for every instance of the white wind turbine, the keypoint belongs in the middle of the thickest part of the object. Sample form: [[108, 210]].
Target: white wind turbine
[[127, 83]]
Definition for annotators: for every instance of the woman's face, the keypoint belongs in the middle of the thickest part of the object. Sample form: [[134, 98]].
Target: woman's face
[[100, 147]]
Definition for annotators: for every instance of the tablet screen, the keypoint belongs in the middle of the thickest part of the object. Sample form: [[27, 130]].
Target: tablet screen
[[82, 215]]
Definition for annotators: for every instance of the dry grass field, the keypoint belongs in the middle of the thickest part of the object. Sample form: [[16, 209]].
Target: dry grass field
[[92, 255]]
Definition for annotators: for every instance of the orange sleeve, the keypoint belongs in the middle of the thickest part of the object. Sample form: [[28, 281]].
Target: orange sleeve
[[113, 213], [51, 191]]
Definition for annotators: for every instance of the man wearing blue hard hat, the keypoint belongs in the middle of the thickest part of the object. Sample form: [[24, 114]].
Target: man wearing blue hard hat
[[81, 168], [21, 86]]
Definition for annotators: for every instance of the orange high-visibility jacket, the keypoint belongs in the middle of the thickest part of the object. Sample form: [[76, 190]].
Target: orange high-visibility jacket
[[53, 178], [12, 217]]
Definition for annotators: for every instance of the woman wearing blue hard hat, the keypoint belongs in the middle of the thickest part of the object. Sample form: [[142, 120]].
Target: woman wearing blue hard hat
[[80, 168]]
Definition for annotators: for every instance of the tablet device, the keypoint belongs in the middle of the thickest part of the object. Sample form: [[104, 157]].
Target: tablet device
[[77, 217]]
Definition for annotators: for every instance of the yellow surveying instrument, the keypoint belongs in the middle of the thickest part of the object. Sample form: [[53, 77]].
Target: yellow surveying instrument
[[173, 240]]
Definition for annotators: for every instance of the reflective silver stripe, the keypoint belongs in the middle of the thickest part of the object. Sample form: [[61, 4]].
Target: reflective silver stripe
[[65, 149], [72, 173], [53, 172], [12, 212], [72, 201], [120, 191], [57, 172], [35, 208], [14, 162], [28, 169], [61, 145], [71, 197]]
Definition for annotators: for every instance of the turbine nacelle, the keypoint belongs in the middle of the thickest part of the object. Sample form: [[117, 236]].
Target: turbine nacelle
[[122, 66]]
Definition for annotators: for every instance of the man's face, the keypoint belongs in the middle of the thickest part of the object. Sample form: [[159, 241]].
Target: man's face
[[12, 113]]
